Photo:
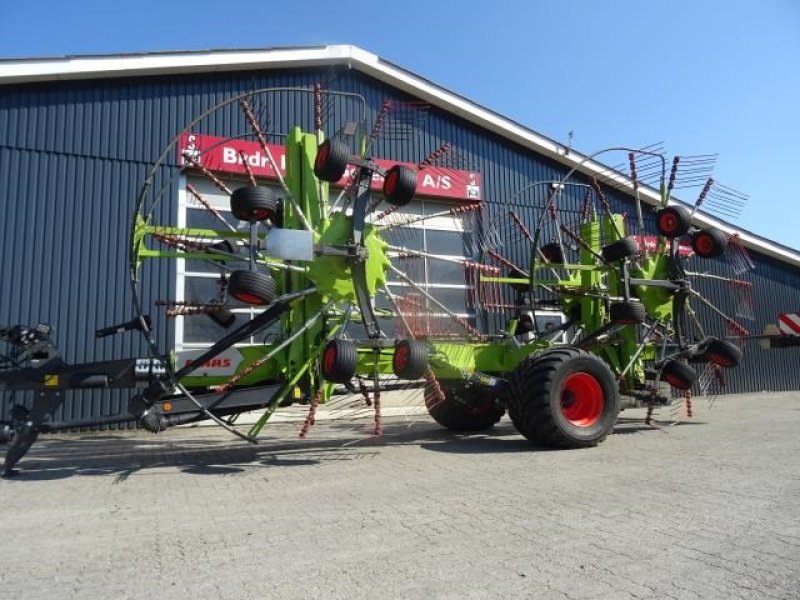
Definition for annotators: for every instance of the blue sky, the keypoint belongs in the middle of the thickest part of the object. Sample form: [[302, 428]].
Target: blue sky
[[705, 77]]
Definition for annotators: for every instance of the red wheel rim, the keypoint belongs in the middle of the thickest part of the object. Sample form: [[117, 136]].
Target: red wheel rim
[[675, 381], [401, 356], [668, 222], [582, 400], [322, 156], [248, 298], [391, 183], [328, 360], [704, 244]]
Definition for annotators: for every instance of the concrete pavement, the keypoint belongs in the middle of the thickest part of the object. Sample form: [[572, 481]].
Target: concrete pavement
[[707, 509]]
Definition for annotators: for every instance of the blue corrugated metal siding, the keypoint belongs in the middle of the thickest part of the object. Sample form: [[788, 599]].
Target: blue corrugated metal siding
[[73, 155]]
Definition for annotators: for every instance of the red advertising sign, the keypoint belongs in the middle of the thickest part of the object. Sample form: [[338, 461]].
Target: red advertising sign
[[225, 155]]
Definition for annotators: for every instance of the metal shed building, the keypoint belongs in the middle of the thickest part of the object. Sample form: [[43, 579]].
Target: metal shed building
[[78, 134]]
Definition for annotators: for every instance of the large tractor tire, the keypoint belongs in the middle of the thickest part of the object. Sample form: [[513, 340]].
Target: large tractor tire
[[460, 408], [563, 398]]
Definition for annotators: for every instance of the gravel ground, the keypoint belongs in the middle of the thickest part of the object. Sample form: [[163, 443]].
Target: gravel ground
[[703, 509]]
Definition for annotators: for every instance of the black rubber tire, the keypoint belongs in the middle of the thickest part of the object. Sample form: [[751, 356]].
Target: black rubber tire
[[679, 375], [620, 250], [400, 185], [673, 221], [723, 353], [535, 394], [410, 359], [463, 408], [331, 161], [627, 313], [339, 359], [254, 203], [552, 253], [709, 243], [253, 288]]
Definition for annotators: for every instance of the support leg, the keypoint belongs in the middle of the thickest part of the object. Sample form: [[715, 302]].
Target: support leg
[[28, 425]]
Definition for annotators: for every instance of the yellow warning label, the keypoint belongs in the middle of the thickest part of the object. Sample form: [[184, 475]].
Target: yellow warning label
[[51, 380], [297, 393]]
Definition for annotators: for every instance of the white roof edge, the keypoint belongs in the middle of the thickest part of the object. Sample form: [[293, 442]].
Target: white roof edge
[[16, 71], [131, 65]]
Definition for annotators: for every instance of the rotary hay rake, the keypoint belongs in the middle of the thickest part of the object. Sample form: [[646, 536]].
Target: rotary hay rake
[[571, 317]]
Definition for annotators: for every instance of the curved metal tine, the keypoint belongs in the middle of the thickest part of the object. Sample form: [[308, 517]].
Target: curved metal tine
[[423, 254], [458, 320], [393, 300], [207, 205], [352, 405], [712, 307], [611, 173], [736, 254], [741, 292], [472, 225], [713, 276], [378, 125]]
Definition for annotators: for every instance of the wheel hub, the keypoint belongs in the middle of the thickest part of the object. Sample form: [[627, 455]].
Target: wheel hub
[[332, 275], [582, 400], [668, 222]]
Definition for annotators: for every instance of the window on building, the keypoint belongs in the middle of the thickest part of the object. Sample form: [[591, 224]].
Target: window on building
[[443, 279]]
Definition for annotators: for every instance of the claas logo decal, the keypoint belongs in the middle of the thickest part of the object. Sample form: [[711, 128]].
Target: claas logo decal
[[214, 363]]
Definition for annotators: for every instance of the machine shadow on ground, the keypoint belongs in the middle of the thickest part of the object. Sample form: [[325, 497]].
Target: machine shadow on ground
[[201, 451]]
